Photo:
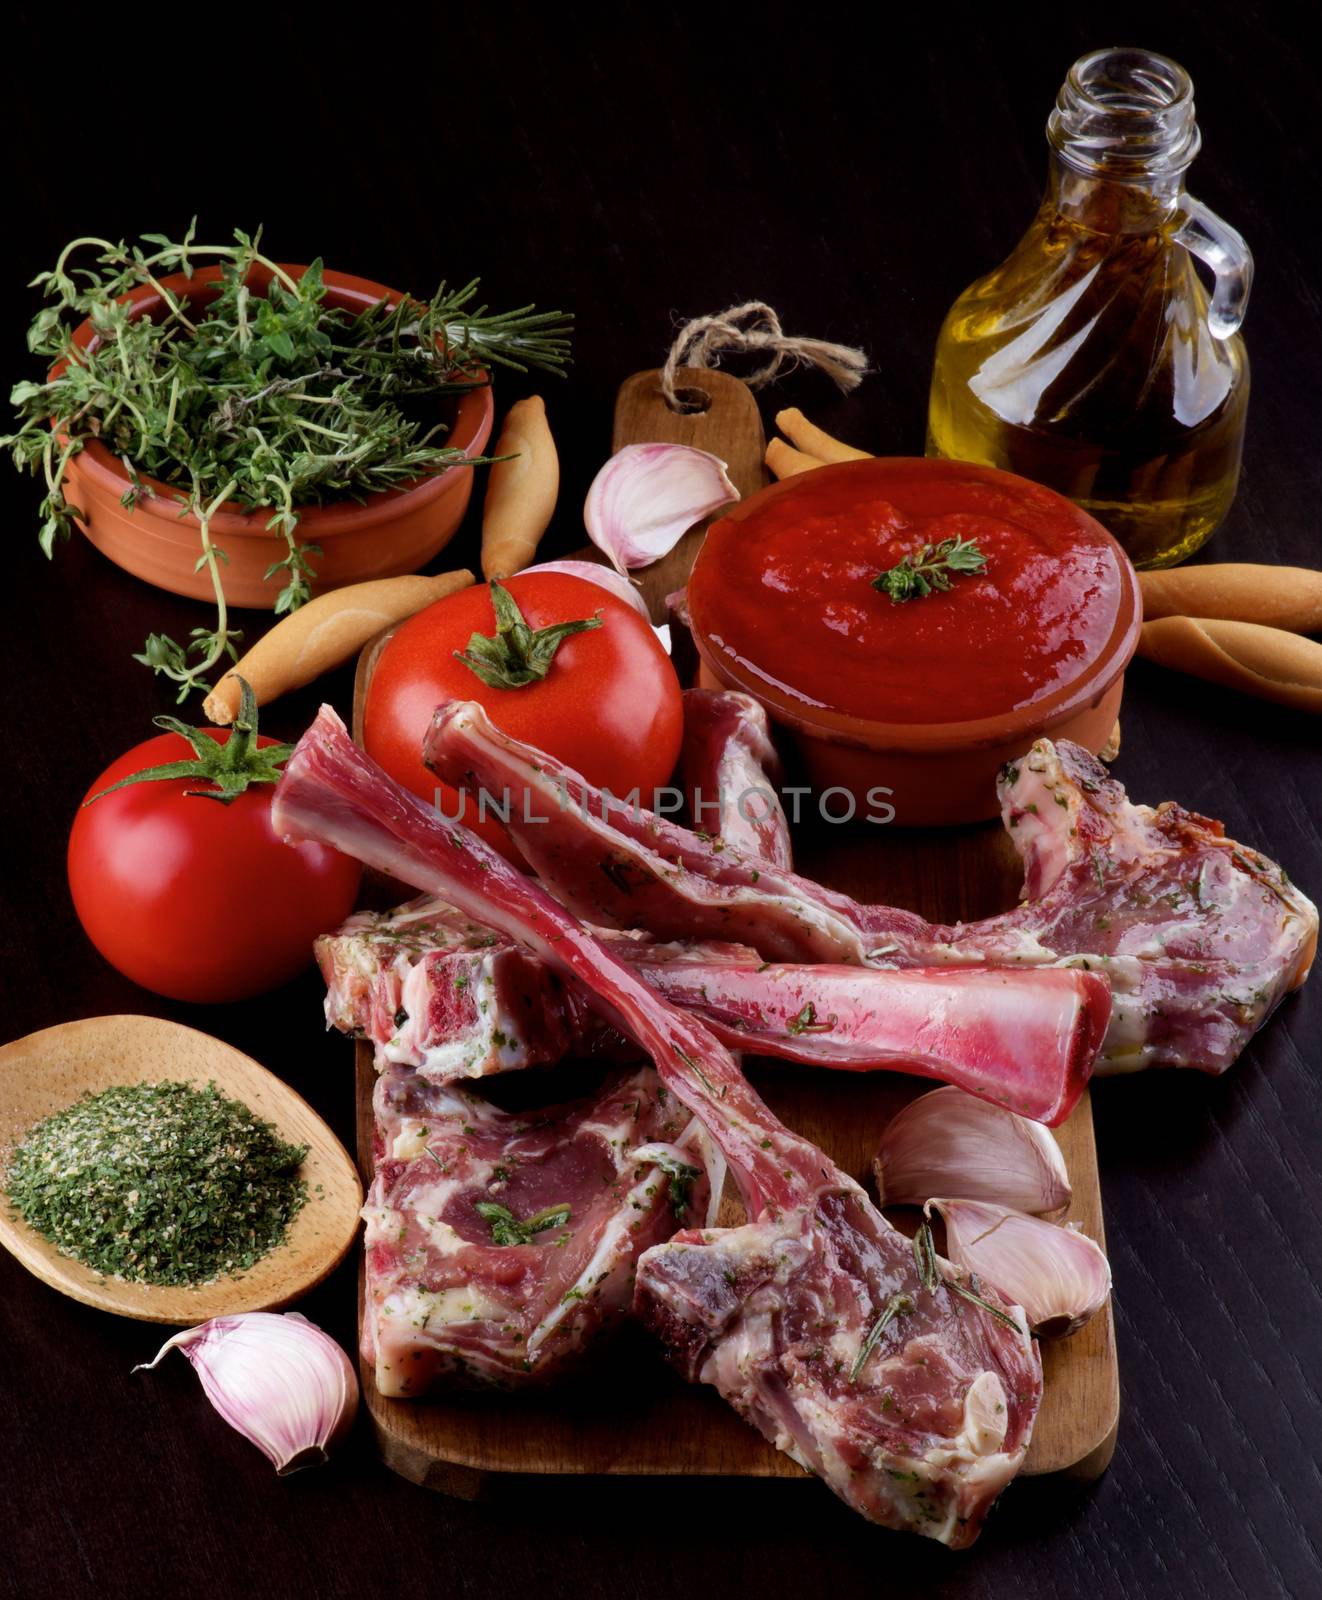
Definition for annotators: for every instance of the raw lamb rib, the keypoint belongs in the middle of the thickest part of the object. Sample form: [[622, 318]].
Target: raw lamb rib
[[1025, 1040], [434, 990], [730, 768], [914, 1403], [1198, 936], [500, 1246]]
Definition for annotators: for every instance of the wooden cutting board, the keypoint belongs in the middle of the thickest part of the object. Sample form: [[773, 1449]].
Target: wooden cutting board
[[635, 1416]]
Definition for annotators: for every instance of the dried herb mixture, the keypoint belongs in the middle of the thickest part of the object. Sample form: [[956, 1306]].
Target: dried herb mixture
[[160, 1183]]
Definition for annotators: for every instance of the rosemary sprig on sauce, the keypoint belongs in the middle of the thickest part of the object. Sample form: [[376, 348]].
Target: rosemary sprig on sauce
[[929, 568]]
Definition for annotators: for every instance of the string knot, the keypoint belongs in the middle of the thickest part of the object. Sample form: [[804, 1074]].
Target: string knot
[[755, 327]]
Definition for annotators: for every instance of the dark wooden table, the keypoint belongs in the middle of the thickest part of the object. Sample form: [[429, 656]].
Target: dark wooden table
[[670, 162]]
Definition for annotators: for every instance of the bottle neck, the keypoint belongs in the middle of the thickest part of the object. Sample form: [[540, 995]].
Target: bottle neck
[[1103, 204], [1122, 136]]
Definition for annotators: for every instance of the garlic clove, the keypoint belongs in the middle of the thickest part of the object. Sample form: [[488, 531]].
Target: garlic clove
[[606, 577], [648, 495], [615, 582], [1059, 1276], [947, 1142], [277, 1379]]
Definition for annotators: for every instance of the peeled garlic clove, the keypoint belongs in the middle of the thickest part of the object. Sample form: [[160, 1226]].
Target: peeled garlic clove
[[947, 1142], [1057, 1275], [278, 1379], [648, 495]]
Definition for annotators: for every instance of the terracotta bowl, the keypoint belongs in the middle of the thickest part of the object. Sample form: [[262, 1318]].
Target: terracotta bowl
[[938, 773], [396, 531]]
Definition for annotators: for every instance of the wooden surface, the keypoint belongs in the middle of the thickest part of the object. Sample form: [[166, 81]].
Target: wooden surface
[[48, 1070], [662, 1427], [640, 167]]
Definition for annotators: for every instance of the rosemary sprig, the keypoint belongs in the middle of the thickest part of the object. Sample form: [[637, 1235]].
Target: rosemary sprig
[[262, 399], [896, 1306], [697, 1071], [931, 1278], [805, 1021], [968, 1293], [924, 1253], [506, 1228], [929, 568], [682, 1178], [929, 1272]]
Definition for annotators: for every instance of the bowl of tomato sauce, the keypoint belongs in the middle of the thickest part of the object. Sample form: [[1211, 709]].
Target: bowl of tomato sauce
[[909, 707]]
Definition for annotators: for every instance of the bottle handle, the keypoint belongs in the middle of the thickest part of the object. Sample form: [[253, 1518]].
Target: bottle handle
[[1222, 248]]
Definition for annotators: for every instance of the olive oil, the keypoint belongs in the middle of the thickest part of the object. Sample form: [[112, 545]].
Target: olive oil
[[1091, 360]]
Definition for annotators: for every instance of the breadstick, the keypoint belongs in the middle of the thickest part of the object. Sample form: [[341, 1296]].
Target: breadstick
[[1237, 591], [785, 461], [521, 493], [322, 634], [815, 441], [1267, 662]]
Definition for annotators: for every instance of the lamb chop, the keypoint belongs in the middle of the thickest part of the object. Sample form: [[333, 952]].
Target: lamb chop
[[434, 990], [1199, 937], [1026, 1040], [500, 1247], [730, 769], [909, 1390]]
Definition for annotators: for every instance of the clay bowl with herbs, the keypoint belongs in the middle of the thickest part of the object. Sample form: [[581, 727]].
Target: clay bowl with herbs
[[137, 520], [278, 1205], [225, 425]]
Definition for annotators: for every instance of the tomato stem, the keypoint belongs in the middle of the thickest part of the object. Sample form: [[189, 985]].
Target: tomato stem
[[517, 654], [231, 764]]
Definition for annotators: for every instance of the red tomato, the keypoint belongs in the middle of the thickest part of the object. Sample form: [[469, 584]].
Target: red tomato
[[194, 899], [610, 707]]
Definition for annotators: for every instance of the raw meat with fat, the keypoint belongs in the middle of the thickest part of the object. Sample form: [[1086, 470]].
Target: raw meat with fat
[[1025, 1040], [432, 989], [730, 768], [921, 1409], [501, 1246], [1199, 937]]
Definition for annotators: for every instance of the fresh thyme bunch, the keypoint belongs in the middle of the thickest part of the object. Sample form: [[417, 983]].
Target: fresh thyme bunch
[[259, 400]]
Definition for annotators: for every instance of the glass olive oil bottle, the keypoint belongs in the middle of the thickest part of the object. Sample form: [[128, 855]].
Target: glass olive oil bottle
[[1091, 360]]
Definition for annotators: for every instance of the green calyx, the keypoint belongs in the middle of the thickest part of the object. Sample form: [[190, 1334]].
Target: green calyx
[[517, 654], [230, 766]]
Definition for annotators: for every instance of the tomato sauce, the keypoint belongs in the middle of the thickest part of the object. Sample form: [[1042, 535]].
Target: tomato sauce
[[783, 592]]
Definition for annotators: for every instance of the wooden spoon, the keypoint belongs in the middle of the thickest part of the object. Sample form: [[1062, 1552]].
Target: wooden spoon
[[47, 1071]]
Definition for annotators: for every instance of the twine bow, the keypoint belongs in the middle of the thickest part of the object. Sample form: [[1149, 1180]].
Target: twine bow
[[754, 326]]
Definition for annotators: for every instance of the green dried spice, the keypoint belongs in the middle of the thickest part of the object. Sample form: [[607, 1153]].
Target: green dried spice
[[159, 1183]]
